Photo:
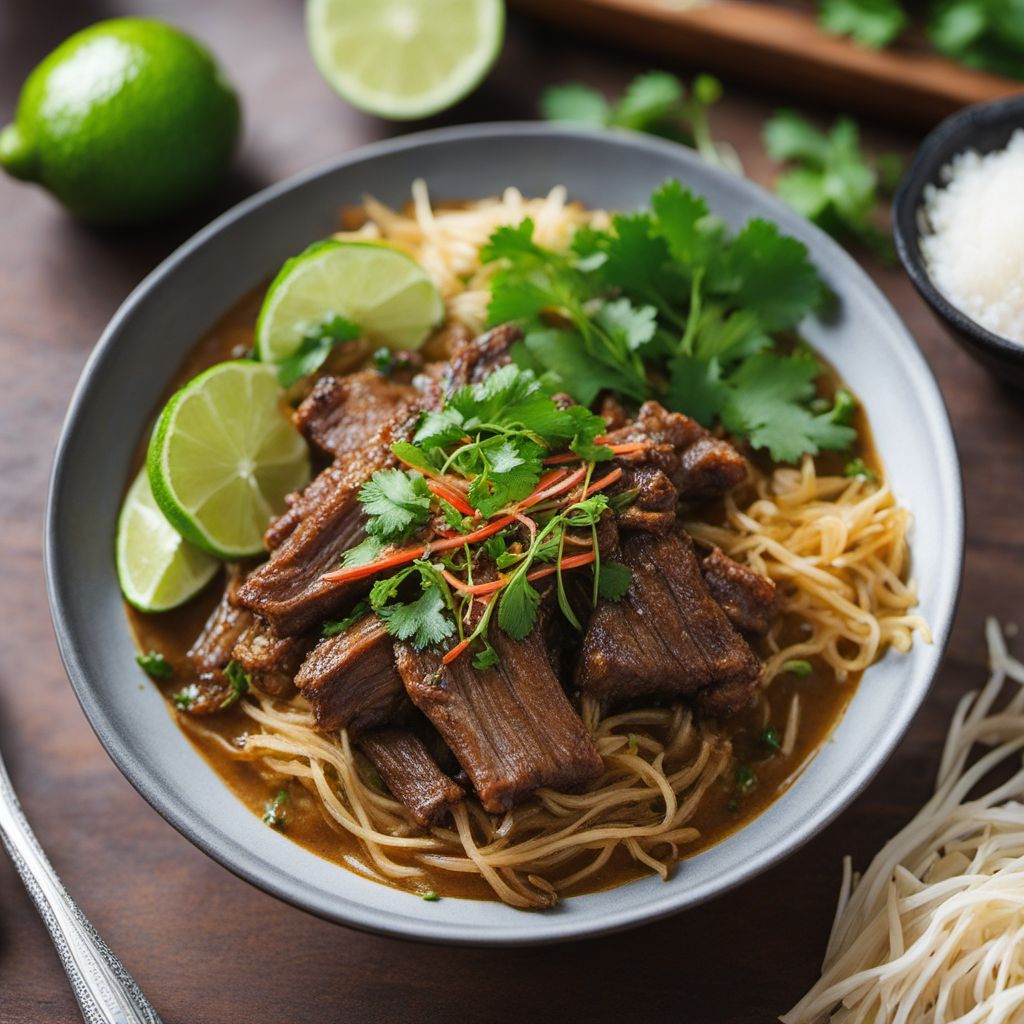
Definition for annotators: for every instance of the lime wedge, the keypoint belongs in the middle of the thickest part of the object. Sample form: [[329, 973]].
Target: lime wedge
[[404, 58], [224, 455], [385, 293], [157, 568]]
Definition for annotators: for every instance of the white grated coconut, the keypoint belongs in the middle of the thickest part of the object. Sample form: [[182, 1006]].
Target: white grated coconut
[[974, 245]]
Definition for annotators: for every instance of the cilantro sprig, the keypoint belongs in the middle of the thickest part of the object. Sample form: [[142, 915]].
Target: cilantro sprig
[[669, 305], [830, 179], [656, 102]]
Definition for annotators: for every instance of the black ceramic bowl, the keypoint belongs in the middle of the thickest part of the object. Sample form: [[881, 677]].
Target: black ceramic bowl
[[984, 128]]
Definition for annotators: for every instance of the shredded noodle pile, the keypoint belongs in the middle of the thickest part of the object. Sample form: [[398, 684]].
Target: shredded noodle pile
[[934, 930], [836, 547]]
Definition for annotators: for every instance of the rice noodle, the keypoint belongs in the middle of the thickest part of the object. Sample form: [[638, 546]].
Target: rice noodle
[[836, 547], [934, 930]]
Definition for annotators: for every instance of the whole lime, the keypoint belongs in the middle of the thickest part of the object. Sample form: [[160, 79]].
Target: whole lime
[[125, 122]]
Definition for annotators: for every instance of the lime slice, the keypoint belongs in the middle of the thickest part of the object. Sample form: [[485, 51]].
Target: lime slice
[[385, 293], [404, 58], [224, 455], [157, 568]]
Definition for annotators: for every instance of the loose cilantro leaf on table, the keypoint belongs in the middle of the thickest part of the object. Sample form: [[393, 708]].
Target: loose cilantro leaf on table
[[831, 181], [657, 103], [873, 23], [314, 349], [985, 34]]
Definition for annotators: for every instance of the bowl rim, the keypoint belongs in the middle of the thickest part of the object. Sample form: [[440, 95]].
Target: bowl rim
[[540, 930], [947, 139]]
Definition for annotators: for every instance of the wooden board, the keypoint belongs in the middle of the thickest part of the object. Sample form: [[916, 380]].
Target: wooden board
[[207, 947], [783, 47]]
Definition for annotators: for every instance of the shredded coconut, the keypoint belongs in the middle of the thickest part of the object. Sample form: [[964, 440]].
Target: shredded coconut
[[974, 237]]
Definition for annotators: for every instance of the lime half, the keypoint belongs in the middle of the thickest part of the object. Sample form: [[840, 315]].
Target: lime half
[[385, 293], [404, 58], [224, 455], [157, 568]]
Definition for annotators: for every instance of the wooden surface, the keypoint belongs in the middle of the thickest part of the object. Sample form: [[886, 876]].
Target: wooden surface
[[764, 43], [205, 946]]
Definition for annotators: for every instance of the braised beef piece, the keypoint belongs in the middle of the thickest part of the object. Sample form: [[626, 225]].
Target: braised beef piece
[[212, 649], [287, 589], [411, 773], [751, 601], [667, 637], [478, 359], [699, 466], [350, 679], [301, 503], [270, 660], [341, 412], [654, 508], [511, 727], [613, 412]]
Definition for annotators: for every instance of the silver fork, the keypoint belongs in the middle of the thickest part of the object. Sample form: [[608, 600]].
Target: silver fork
[[106, 992]]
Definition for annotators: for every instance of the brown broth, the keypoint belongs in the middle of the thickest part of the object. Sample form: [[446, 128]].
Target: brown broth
[[823, 700]]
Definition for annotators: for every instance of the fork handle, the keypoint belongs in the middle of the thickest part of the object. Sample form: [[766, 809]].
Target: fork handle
[[106, 992]]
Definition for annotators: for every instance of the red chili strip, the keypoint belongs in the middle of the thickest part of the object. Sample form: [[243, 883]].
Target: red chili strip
[[559, 488], [358, 572], [626, 448], [451, 655], [572, 562], [472, 537], [476, 588], [605, 481], [449, 494]]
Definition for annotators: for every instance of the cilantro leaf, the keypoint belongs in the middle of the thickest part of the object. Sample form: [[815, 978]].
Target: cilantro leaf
[[487, 658], [240, 681], [334, 627], [774, 276], [314, 349], [365, 552], [694, 237], [873, 23], [631, 326], [396, 502], [415, 457], [613, 580], [577, 103], [566, 361], [767, 403], [425, 621], [830, 180], [155, 665], [987, 34], [273, 811], [649, 100], [517, 608], [510, 473]]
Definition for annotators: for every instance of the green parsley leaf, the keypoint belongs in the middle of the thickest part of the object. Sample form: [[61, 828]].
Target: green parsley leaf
[[240, 682], [798, 667], [873, 23], [273, 812], [155, 665], [314, 349], [613, 580], [396, 502], [334, 627]]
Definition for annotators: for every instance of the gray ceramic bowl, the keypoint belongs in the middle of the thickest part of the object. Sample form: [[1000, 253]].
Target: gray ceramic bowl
[[140, 352]]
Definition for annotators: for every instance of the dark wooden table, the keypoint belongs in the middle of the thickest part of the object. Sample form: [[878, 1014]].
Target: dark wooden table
[[205, 946]]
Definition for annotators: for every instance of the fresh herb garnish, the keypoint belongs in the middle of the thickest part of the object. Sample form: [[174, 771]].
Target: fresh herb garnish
[[770, 739], [155, 665], [396, 503], [384, 361], [314, 349], [240, 682], [657, 103], [429, 896], [798, 667], [333, 627], [858, 469], [831, 181], [273, 812], [873, 23], [425, 621], [632, 743], [666, 305], [987, 34], [186, 697]]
